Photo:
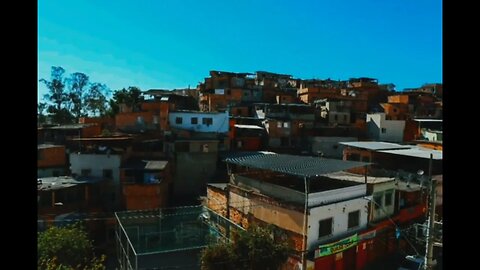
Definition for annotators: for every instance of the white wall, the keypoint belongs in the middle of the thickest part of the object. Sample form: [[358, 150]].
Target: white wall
[[96, 163], [340, 219], [394, 129], [220, 121], [382, 212]]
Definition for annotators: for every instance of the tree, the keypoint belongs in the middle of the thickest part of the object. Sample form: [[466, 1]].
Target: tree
[[131, 97], [253, 249], [58, 96], [77, 83], [41, 107], [56, 87], [74, 97], [96, 100], [67, 248]]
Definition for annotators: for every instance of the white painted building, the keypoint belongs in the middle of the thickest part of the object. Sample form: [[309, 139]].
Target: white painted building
[[197, 121], [335, 207], [380, 129], [99, 165], [337, 219]]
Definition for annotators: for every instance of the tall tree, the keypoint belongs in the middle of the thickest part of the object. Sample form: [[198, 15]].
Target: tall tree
[[66, 248], [56, 87], [77, 83], [96, 100], [57, 96], [131, 97]]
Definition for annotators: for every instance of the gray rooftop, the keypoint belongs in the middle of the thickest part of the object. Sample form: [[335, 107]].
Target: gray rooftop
[[428, 120], [418, 152], [408, 187], [155, 164], [376, 145], [45, 146], [60, 182], [359, 178], [248, 126], [303, 166], [221, 186]]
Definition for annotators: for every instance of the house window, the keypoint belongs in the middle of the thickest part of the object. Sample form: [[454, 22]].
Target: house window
[[86, 172], [207, 121], [107, 173], [353, 219], [365, 159], [384, 130], [377, 201], [279, 124], [286, 124], [194, 120], [178, 120], [325, 227], [388, 198]]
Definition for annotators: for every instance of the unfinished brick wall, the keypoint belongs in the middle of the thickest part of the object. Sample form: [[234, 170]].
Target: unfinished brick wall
[[217, 201]]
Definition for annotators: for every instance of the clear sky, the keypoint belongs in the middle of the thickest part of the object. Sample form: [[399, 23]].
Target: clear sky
[[175, 43]]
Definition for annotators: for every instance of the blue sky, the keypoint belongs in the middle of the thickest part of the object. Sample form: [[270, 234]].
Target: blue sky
[[174, 43]]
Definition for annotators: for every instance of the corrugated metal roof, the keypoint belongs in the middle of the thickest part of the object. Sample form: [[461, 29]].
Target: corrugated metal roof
[[428, 120], [218, 185], [155, 164], [45, 146], [359, 178], [145, 164], [60, 182], [417, 152], [225, 155], [248, 126], [376, 145], [303, 166]]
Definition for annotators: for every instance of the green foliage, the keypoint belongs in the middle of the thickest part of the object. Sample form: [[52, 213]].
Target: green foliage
[[131, 97], [219, 256], [73, 97], [66, 248], [253, 249]]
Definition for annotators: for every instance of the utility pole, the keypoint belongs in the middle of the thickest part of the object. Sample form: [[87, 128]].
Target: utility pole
[[431, 219]]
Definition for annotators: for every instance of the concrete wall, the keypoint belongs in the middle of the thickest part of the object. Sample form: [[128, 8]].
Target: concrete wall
[[384, 130], [330, 146], [267, 212], [220, 123], [193, 171], [339, 213]]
